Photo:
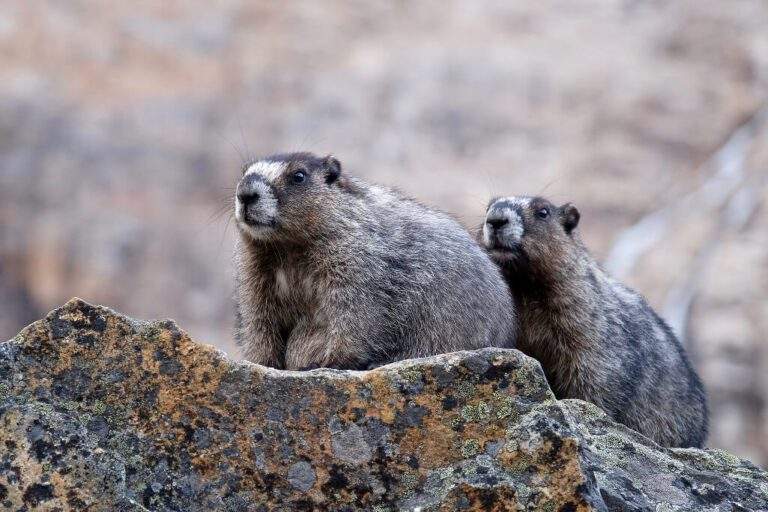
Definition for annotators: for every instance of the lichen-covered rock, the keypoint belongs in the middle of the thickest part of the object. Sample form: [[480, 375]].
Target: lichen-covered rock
[[101, 412]]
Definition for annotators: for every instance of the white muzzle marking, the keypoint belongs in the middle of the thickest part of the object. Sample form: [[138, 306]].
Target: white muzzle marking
[[270, 171]]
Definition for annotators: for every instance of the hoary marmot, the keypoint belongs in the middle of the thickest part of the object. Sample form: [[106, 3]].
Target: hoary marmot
[[335, 272], [596, 339]]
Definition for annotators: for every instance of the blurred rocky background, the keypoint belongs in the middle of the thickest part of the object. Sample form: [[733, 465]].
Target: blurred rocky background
[[123, 126]]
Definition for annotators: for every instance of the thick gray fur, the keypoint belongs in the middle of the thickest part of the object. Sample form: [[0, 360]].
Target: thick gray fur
[[334, 272], [596, 339]]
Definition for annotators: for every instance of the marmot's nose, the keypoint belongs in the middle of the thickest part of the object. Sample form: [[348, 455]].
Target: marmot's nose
[[247, 197], [247, 190], [497, 222]]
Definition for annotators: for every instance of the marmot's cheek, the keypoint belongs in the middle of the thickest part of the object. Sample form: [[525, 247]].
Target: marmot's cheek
[[515, 230]]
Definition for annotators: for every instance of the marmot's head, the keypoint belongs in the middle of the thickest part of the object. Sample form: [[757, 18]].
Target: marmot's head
[[521, 232], [285, 195]]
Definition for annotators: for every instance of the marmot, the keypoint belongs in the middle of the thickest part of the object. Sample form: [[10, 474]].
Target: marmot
[[596, 339], [334, 272]]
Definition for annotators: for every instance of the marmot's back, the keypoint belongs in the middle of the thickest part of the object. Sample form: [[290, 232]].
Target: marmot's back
[[335, 272], [439, 281]]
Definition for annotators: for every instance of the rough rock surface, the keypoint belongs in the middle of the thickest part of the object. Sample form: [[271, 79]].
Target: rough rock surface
[[101, 412]]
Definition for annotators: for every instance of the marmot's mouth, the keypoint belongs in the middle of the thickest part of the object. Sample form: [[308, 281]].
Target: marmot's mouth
[[504, 246], [256, 219], [505, 252], [257, 224], [257, 229]]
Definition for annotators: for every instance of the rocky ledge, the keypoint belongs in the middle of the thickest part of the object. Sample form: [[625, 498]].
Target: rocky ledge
[[102, 412]]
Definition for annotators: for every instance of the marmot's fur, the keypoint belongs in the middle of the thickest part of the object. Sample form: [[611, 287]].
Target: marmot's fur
[[596, 339], [334, 272]]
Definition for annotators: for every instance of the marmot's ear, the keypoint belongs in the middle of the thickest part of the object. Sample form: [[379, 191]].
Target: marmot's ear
[[332, 169], [569, 216]]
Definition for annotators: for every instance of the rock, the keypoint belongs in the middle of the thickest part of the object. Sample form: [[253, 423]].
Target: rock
[[102, 412]]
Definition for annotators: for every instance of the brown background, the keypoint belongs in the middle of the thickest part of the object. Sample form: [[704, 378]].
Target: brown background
[[123, 126]]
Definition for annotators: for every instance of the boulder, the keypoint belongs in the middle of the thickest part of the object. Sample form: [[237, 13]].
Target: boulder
[[102, 412]]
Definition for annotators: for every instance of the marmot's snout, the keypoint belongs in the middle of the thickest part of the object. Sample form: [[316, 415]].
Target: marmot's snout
[[503, 227], [248, 190], [255, 203]]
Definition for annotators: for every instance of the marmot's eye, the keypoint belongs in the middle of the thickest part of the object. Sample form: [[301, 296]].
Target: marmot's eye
[[299, 177], [542, 213]]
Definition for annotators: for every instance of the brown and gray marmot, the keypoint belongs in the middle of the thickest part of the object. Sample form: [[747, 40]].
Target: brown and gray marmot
[[596, 339], [334, 272]]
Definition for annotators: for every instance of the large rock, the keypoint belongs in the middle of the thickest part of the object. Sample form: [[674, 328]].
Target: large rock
[[102, 412]]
